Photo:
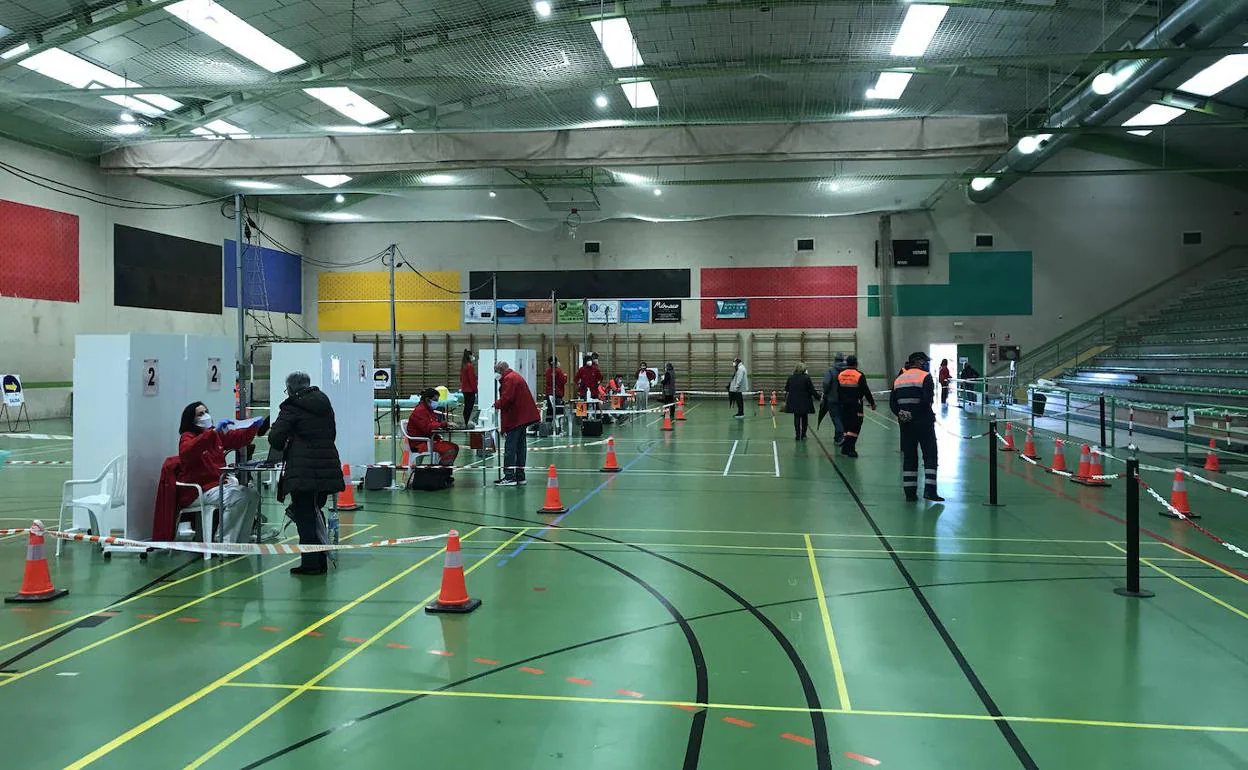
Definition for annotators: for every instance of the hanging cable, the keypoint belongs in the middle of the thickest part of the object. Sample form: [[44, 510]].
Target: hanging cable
[[436, 285], [102, 199]]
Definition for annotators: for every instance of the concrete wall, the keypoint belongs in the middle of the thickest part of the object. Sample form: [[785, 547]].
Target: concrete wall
[[39, 335]]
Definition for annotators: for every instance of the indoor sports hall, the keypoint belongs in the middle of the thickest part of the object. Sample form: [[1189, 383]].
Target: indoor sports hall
[[698, 384]]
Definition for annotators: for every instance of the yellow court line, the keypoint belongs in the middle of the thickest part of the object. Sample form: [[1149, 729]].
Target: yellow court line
[[1205, 562], [176, 610], [240, 732], [152, 721], [755, 707], [842, 692], [1186, 584], [867, 536]]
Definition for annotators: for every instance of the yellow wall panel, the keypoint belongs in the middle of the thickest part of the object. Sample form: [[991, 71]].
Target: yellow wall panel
[[360, 302]]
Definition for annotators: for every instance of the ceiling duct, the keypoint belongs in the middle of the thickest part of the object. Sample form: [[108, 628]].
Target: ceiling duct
[[1195, 24]]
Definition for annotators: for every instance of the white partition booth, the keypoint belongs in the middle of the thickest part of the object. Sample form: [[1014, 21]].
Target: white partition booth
[[523, 361], [129, 393], [344, 372]]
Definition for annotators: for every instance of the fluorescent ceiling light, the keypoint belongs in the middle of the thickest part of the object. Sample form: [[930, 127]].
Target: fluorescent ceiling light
[[229, 30], [657, 192], [355, 130], [126, 129], [917, 29], [16, 51], [542, 8], [628, 178], [890, 85], [127, 117], [640, 94], [349, 103], [437, 179], [830, 185], [341, 216], [981, 183], [873, 112], [1152, 115], [1029, 144], [248, 184], [328, 180], [617, 42], [221, 127], [1219, 76], [205, 133], [79, 73]]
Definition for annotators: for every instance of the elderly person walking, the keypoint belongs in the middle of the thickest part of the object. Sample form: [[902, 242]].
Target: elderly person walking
[[799, 400], [518, 411], [304, 432]]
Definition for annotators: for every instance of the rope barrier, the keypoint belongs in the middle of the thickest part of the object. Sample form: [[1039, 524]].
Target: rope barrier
[[235, 549], [1178, 515], [37, 462]]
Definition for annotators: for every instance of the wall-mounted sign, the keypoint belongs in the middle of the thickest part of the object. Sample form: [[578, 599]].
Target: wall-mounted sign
[[732, 308], [381, 378], [912, 253], [510, 311], [635, 311], [151, 376], [540, 311], [570, 311], [665, 311], [214, 374], [478, 311], [603, 311]]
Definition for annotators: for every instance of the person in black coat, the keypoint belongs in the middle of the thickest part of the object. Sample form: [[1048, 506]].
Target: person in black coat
[[304, 432], [799, 400]]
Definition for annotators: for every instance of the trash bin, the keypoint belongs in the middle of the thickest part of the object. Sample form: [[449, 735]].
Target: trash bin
[[1038, 400]]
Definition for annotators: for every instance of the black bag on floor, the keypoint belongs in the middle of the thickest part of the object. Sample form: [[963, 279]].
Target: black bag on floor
[[378, 477], [430, 478], [591, 428]]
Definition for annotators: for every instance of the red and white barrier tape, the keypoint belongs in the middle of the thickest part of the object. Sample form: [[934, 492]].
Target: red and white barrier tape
[[1190, 475], [7, 532], [1178, 515], [37, 462], [238, 549]]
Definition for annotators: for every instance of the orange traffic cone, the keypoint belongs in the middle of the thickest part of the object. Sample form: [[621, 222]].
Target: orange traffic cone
[[611, 465], [346, 498], [1211, 459], [773, 399], [1059, 457], [407, 458], [1097, 469], [553, 504], [1009, 438], [680, 410], [761, 400], [36, 582], [454, 594], [681, 399], [667, 420], [1084, 472], [1178, 498], [1029, 446]]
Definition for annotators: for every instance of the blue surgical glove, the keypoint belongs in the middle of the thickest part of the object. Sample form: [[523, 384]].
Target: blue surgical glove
[[224, 425]]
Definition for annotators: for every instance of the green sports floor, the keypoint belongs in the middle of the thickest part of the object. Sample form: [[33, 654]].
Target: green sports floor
[[733, 599]]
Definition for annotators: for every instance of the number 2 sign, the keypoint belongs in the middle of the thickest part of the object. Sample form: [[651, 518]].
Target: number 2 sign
[[214, 374], [151, 376]]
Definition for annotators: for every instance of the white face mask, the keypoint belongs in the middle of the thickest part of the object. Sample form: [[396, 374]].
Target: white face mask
[[498, 375], [204, 421]]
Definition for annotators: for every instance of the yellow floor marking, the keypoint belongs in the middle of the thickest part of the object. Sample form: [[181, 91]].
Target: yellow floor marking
[[1186, 584], [1205, 562], [842, 692], [194, 697], [175, 611], [418, 607], [755, 533], [755, 707], [156, 590]]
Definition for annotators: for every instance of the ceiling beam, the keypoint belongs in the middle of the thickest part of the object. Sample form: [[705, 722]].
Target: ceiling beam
[[71, 27]]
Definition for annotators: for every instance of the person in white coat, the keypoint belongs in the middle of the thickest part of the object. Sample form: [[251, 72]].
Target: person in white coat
[[740, 384], [644, 378]]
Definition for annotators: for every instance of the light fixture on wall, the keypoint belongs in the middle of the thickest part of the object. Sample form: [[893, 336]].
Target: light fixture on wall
[[493, 194], [339, 198]]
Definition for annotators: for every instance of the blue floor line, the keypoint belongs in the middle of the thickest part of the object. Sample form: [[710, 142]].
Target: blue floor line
[[531, 538]]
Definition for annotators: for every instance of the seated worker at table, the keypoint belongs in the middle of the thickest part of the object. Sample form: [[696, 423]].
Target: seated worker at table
[[201, 449], [422, 427]]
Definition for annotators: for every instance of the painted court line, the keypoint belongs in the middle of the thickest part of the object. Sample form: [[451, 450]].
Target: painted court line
[[842, 692], [733, 453], [775, 454], [1188, 585]]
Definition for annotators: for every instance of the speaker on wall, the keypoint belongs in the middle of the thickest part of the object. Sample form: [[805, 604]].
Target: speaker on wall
[[805, 244], [983, 240], [593, 247]]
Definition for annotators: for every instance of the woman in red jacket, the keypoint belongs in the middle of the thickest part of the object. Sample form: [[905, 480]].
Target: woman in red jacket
[[422, 427], [468, 384], [201, 450]]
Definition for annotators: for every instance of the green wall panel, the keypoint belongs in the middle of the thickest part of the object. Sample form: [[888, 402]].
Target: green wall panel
[[980, 283]]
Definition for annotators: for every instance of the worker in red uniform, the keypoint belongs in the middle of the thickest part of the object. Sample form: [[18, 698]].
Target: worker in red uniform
[[556, 388], [468, 384], [588, 377], [517, 411], [423, 425]]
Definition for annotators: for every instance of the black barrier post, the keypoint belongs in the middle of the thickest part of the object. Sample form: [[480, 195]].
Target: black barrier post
[[992, 464], [1133, 534], [1102, 400]]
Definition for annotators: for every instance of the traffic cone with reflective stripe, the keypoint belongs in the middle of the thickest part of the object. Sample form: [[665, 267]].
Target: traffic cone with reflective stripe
[[36, 582], [680, 410], [346, 498], [1089, 478], [1178, 498], [1059, 457], [1211, 459], [454, 594], [1084, 472], [611, 465], [553, 503], [1009, 438], [667, 420], [1029, 446], [762, 401]]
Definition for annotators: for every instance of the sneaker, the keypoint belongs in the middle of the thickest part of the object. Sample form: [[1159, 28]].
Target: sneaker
[[521, 482], [506, 483], [739, 416], [935, 498]]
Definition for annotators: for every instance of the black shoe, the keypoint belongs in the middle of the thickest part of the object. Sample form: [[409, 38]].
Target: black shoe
[[308, 570], [912, 497], [849, 453], [935, 498]]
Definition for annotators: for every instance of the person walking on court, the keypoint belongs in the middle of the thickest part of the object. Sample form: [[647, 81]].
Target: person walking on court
[[851, 390], [468, 384], [739, 384], [668, 390], [518, 411], [944, 377], [304, 432], [911, 401], [828, 404], [556, 388], [799, 400]]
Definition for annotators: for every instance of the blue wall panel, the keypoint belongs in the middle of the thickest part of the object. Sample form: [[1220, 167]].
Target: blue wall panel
[[282, 291]]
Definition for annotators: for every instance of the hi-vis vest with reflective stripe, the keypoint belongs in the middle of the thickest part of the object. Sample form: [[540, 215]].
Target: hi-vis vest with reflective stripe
[[848, 383], [908, 391], [848, 378]]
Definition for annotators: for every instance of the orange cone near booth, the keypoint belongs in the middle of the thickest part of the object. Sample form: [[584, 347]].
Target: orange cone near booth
[[1090, 477], [553, 503], [1178, 498], [1059, 457], [36, 580], [762, 400], [611, 465], [1029, 446], [453, 597], [1211, 459], [667, 420], [680, 410], [1084, 471], [1009, 438], [346, 498]]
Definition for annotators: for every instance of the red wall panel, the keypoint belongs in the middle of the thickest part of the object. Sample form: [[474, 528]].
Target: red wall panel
[[38, 253], [739, 282]]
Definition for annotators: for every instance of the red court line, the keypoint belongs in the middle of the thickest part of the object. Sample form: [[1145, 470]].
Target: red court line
[[528, 670], [1101, 512], [738, 722], [314, 633], [353, 639], [797, 739], [107, 614], [862, 759], [630, 693], [538, 588], [443, 653], [230, 624], [688, 708], [60, 612], [146, 617], [485, 661], [270, 629], [188, 620], [397, 646], [576, 680]]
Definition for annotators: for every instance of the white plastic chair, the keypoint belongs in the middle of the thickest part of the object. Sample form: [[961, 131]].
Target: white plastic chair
[[204, 510], [104, 501], [429, 456]]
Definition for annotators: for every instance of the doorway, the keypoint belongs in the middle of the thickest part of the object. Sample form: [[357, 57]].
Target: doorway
[[943, 351]]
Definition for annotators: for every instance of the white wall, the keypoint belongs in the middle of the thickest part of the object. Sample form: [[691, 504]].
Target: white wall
[[38, 334], [1096, 241]]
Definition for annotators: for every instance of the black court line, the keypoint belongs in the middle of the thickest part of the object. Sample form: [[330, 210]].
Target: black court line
[[990, 705]]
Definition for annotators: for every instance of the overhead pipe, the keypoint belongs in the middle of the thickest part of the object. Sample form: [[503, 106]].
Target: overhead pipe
[[1195, 24]]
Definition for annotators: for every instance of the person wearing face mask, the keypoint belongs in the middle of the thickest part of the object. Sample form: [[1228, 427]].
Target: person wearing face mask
[[423, 425], [468, 384], [202, 445], [517, 411], [911, 400]]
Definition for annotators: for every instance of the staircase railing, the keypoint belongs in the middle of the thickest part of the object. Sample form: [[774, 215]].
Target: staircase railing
[[1089, 339]]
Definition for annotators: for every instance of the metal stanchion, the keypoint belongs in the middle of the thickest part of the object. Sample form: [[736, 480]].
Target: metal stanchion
[[1101, 400], [1132, 587], [992, 464]]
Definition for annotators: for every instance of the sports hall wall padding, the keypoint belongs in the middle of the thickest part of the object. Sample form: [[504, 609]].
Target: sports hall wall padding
[[360, 302], [582, 284], [164, 272], [737, 282], [276, 287], [981, 283], [38, 253]]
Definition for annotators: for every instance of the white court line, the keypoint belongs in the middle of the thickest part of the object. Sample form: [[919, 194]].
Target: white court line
[[775, 453], [731, 454]]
